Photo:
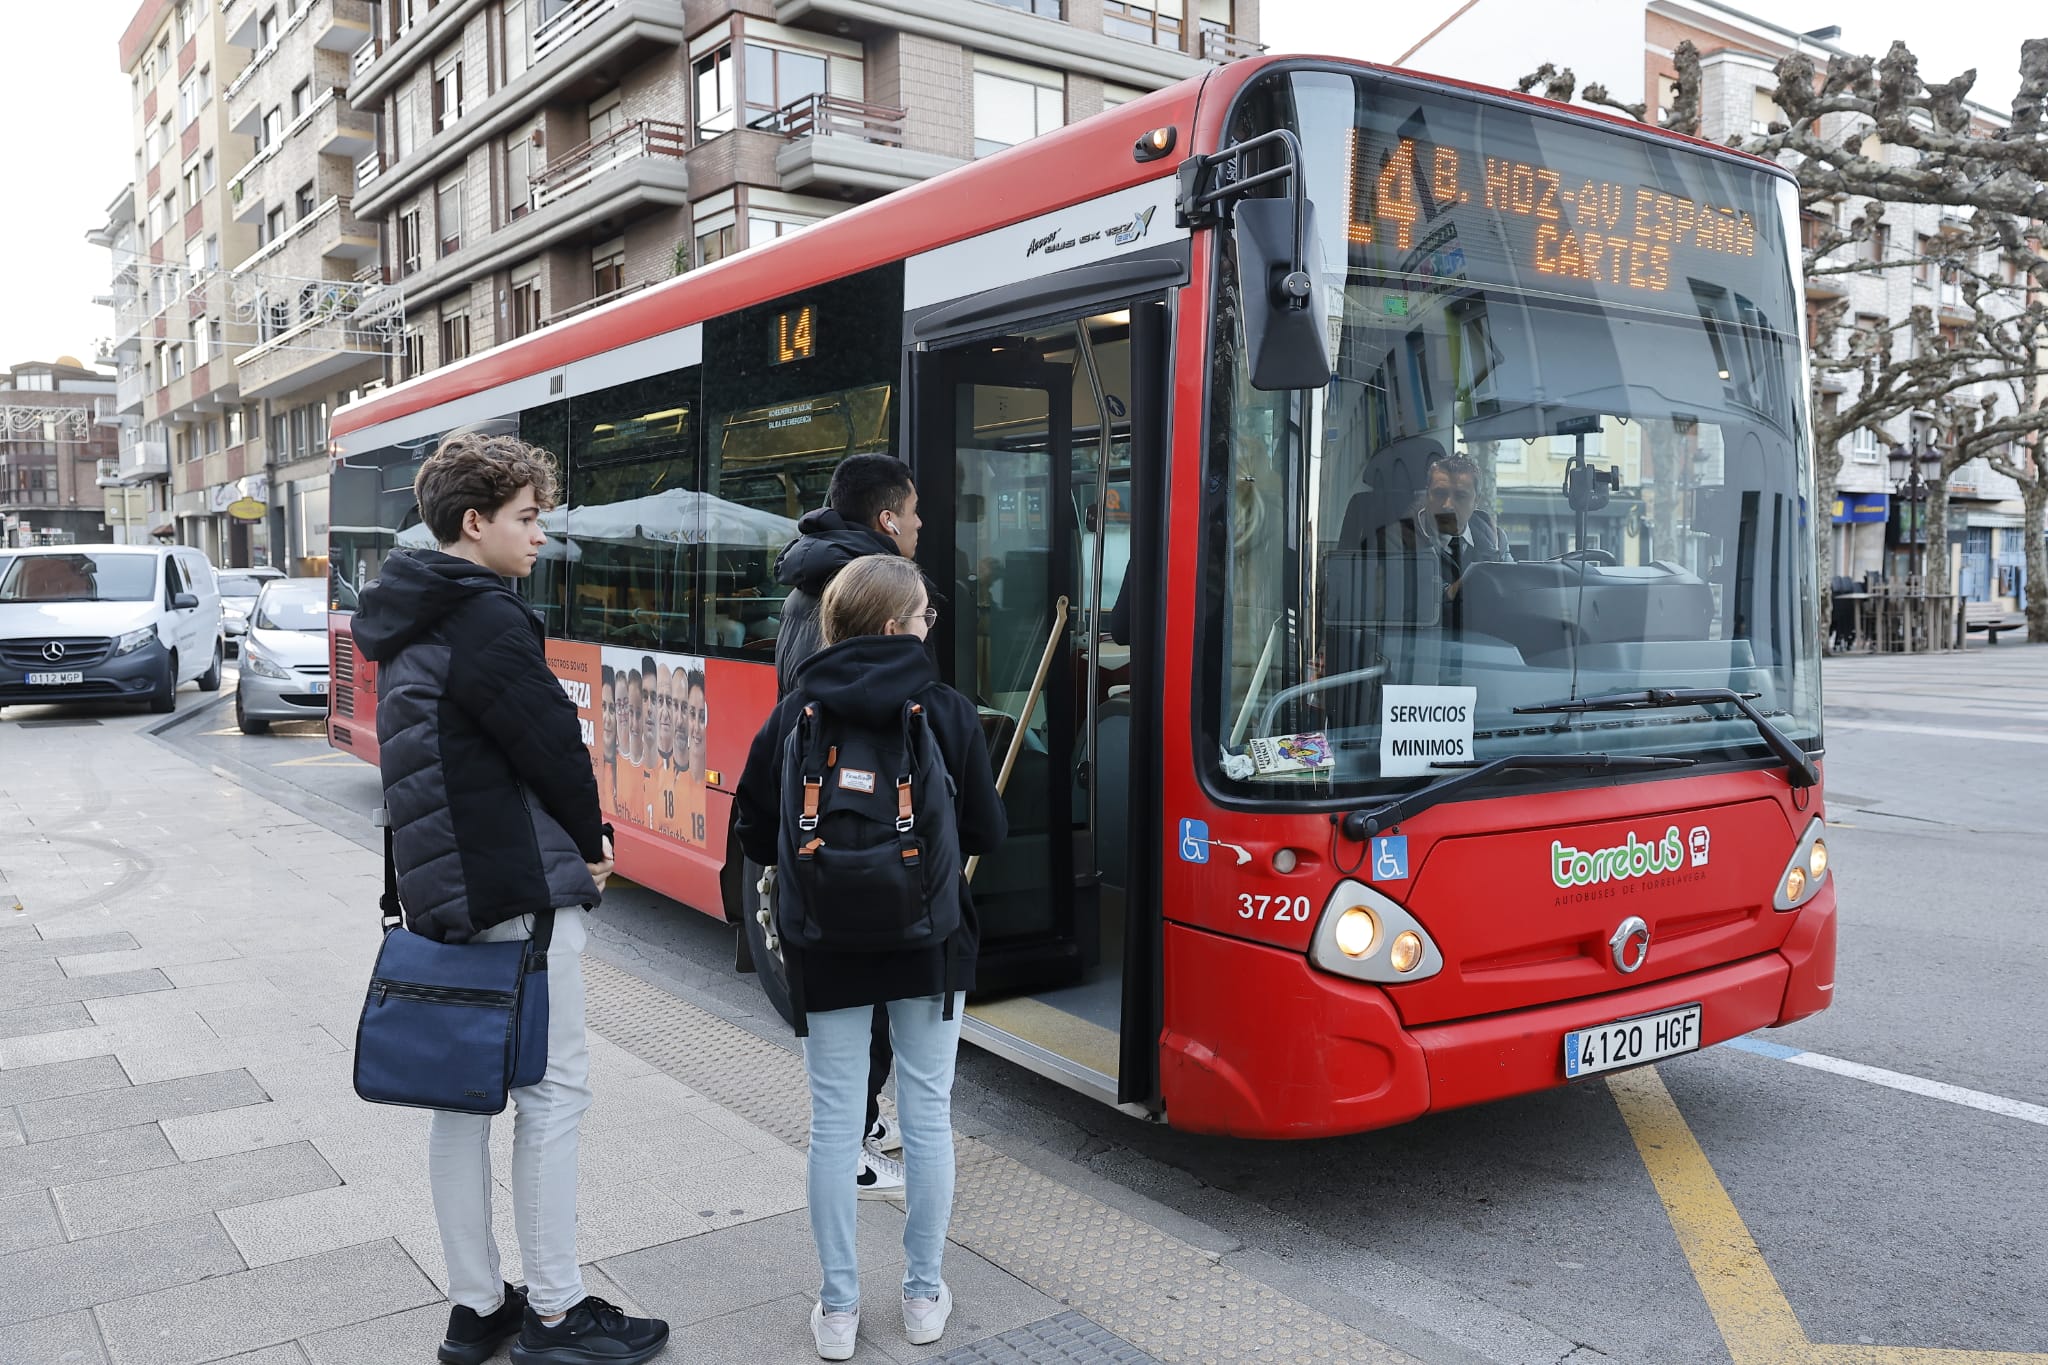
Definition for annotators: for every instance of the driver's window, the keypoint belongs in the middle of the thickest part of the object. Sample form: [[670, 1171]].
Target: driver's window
[[174, 582]]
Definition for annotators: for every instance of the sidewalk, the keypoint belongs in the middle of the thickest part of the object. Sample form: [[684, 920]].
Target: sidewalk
[[187, 1176]]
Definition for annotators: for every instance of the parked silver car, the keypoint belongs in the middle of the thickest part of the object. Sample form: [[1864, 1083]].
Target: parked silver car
[[284, 656], [238, 592]]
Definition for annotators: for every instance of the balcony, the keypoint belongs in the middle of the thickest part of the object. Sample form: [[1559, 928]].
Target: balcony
[[317, 350], [129, 390], [107, 474], [575, 171], [845, 144], [636, 171], [999, 31], [144, 459], [1220, 45], [332, 228], [580, 42], [339, 130]]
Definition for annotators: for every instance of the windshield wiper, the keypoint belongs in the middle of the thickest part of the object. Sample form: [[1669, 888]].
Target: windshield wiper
[[1799, 769], [1361, 825]]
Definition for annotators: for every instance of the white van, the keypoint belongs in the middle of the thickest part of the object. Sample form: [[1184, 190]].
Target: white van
[[107, 623]]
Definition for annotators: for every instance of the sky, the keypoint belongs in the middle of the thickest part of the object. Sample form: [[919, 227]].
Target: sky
[[65, 106]]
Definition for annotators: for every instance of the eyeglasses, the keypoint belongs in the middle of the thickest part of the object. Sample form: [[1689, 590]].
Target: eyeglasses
[[930, 616]]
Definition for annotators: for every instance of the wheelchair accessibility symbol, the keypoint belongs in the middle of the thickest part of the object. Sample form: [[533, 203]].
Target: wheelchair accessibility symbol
[[1195, 844], [1390, 858]]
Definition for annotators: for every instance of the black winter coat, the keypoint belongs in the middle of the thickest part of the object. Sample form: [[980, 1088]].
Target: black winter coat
[[826, 543], [491, 793], [868, 679]]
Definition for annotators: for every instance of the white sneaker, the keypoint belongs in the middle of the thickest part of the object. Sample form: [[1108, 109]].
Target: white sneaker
[[834, 1332], [924, 1320], [884, 1137], [880, 1177]]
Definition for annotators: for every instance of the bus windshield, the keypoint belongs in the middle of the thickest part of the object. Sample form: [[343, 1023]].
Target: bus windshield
[[1565, 453]]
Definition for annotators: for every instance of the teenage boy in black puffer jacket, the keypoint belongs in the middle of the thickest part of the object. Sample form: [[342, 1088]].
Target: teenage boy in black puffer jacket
[[494, 814]]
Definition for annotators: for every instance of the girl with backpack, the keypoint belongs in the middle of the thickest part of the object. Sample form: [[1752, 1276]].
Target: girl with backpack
[[887, 837]]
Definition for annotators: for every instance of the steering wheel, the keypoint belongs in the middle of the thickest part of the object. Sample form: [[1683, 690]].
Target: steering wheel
[[1589, 556]]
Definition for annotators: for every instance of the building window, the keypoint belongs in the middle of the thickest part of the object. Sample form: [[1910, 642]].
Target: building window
[[412, 355], [447, 91], [213, 253], [303, 201], [604, 116], [302, 99], [448, 215], [1045, 9], [715, 94], [192, 185], [454, 338], [206, 173], [274, 225], [518, 32], [715, 244], [1763, 112], [1924, 267], [520, 155], [1158, 22], [1114, 95], [608, 268], [1014, 103], [402, 139], [777, 77], [409, 242], [526, 301], [266, 29], [177, 358], [273, 126], [188, 100], [205, 86], [766, 228]]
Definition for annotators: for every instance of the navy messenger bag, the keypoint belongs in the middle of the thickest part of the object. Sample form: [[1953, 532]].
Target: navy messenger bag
[[454, 1026]]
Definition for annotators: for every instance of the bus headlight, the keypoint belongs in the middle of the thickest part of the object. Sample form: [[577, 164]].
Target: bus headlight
[[1406, 952], [1805, 872], [1367, 937], [1356, 931]]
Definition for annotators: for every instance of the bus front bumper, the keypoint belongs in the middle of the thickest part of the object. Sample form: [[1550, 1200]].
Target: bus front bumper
[[1293, 1052]]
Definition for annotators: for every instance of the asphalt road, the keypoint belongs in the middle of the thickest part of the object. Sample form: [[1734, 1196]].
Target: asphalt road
[[1769, 1202]]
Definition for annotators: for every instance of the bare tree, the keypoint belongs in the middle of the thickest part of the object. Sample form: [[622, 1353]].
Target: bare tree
[[1938, 360]]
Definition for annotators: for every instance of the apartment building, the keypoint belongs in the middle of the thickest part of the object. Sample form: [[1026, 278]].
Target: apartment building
[[56, 439], [536, 158], [1627, 45], [309, 346], [179, 319], [136, 482]]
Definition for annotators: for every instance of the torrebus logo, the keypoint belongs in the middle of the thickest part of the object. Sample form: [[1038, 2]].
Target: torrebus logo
[[1571, 867]]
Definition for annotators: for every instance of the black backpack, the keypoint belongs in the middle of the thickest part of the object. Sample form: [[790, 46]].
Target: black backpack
[[869, 851]]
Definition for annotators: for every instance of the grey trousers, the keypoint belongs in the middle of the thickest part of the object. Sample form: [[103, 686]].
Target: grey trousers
[[545, 1122]]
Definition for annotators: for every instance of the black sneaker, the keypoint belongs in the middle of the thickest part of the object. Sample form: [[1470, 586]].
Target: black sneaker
[[473, 1339], [592, 1333]]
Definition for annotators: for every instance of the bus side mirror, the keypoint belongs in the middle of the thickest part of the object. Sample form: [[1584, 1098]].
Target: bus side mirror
[[1285, 336]]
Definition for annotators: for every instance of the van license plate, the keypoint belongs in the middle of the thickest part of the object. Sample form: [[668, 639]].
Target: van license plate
[[1632, 1041], [54, 679]]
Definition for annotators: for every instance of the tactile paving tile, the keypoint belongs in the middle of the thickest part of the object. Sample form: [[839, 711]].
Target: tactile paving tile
[[1167, 1296], [1069, 1339]]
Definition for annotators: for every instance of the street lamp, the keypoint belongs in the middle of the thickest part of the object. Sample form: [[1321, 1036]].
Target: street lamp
[[1910, 490]]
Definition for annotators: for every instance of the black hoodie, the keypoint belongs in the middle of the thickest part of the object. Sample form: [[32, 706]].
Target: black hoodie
[[867, 679], [492, 797], [826, 543]]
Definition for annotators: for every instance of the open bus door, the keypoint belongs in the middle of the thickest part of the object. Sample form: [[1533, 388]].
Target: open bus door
[[1034, 451]]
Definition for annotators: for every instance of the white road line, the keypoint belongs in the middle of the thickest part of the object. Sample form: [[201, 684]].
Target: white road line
[[1945, 731], [1898, 1080]]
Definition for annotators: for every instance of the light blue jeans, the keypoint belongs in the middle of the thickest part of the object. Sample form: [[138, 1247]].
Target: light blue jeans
[[545, 1125], [836, 1056]]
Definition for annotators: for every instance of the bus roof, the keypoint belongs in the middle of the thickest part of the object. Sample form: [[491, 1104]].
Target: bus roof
[[1086, 160]]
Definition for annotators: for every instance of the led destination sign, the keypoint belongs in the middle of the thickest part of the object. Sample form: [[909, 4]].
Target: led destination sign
[[1508, 201]]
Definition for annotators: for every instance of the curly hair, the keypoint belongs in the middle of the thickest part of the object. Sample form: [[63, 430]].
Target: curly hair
[[471, 470]]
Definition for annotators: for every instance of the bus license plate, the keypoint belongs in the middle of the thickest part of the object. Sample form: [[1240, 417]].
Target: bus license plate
[[1632, 1042], [54, 679]]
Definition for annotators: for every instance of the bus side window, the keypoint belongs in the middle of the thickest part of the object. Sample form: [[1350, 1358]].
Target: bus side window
[[635, 513]]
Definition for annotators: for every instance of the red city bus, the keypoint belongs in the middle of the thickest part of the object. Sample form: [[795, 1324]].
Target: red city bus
[[1427, 471]]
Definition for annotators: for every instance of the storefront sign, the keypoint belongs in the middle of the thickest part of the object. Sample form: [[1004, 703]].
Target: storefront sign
[[1862, 507], [247, 509]]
